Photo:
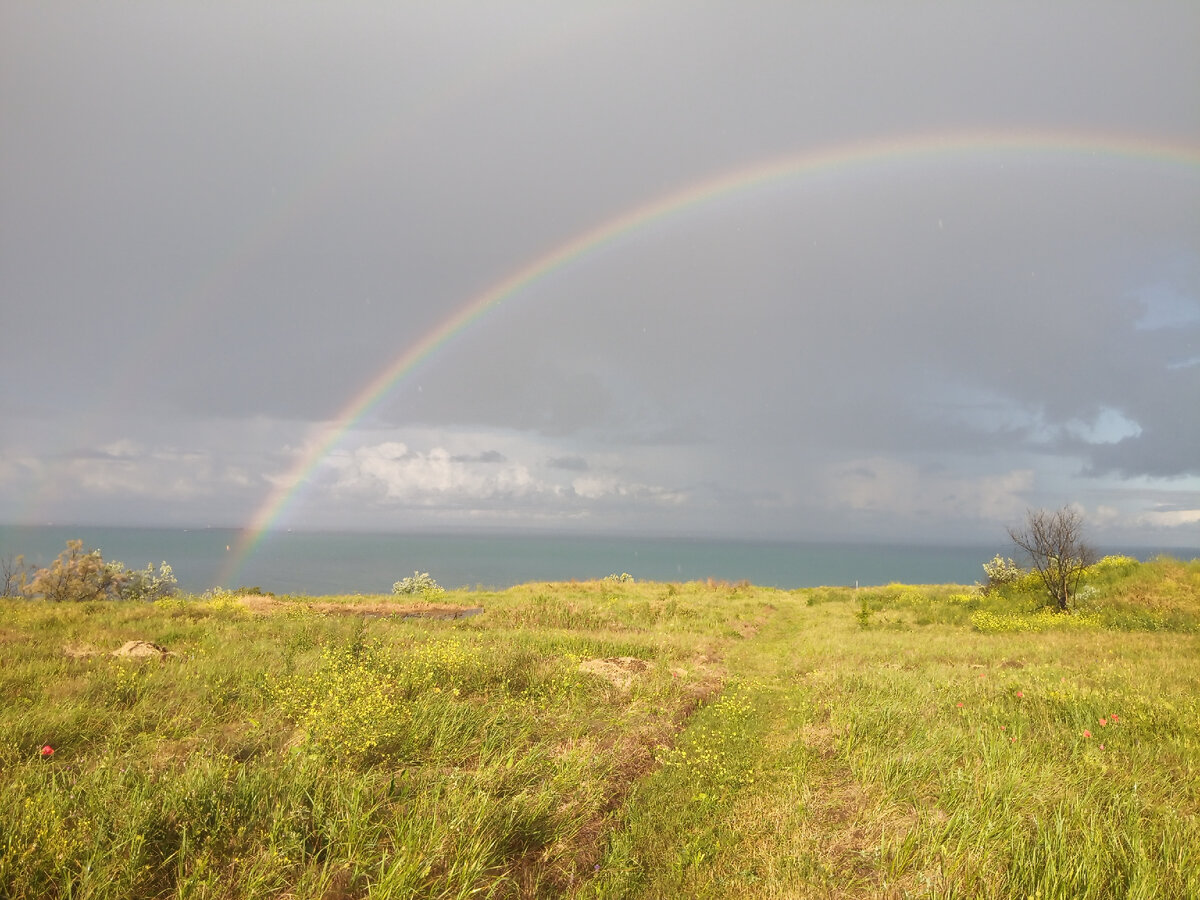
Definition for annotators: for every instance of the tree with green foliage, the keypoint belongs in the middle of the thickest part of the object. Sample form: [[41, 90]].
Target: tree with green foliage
[[1054, 545]]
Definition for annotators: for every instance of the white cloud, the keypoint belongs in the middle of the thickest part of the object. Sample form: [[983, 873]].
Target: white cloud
[[491, 471], [392, 471], [123, 470], [597, 487], [1168, 518], [160, 473]]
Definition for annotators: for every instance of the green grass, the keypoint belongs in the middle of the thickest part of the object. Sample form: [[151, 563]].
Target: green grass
[[891, 742]]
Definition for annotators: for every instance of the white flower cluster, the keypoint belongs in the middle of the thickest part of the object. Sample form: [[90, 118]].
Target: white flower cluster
[[1001, 571], [419, 583]]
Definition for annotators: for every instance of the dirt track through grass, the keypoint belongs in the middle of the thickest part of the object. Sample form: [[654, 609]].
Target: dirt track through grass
[[914, 760]]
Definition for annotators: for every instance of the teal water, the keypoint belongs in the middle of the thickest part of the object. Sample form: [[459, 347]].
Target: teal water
[[325, 563]]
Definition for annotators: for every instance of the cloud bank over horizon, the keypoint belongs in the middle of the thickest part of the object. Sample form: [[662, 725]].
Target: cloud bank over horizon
[[217, 230]]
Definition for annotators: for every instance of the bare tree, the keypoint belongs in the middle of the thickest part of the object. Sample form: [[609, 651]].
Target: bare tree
[[15, 574], [1053, 541]]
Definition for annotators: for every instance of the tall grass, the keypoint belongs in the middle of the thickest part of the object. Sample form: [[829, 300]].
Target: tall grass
[[921, 756], [897, 741], [309, 752]]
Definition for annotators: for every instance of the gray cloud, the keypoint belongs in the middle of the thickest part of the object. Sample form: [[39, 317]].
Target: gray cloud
[[570, 463], [217, 228]]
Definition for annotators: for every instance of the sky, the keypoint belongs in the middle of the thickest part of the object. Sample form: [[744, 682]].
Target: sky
[[805, 271]]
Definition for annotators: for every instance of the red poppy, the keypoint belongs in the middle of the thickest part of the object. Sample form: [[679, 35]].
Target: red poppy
[[47, 750], [1086, 733]]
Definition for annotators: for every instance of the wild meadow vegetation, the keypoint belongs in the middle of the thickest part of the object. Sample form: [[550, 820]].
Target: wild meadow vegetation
[[608, 739]]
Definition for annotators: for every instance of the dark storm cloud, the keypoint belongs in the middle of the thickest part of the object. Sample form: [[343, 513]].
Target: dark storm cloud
[[219, 223]]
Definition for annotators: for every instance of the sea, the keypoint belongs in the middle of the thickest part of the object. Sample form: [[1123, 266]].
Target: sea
[[315, 563]]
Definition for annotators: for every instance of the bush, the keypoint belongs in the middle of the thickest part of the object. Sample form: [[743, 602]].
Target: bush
[[146, 584], [1113, 567], [77, 577], [1001, 572], [419, 583]]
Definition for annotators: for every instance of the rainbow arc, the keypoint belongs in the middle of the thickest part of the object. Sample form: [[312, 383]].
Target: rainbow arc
[[921, 148]]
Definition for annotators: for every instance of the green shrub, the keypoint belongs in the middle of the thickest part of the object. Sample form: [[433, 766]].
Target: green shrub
[[419, 583]]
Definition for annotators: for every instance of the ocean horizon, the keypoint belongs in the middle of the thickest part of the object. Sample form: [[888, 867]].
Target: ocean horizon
[[312, 562]]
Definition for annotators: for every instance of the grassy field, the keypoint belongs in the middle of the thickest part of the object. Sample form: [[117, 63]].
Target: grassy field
[[608, 740]]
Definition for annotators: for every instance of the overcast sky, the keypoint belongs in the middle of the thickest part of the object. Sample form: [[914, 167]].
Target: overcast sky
[[220, 221]]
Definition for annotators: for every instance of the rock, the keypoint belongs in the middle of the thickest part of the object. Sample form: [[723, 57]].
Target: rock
[[141, 650]]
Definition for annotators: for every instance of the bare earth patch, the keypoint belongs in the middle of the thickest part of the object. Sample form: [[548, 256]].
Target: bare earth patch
[[142, 650], [617, 670], [80, 651], [128, 650]]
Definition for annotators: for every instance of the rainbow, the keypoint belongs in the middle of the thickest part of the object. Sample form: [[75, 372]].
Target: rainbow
[[840, 157]]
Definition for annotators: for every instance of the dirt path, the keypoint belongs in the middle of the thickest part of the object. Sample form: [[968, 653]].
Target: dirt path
[[805, 826]]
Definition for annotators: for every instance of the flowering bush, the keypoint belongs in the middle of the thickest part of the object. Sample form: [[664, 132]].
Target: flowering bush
[[1001, 571], [419, 583], [146, 584], [1114, 566]]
